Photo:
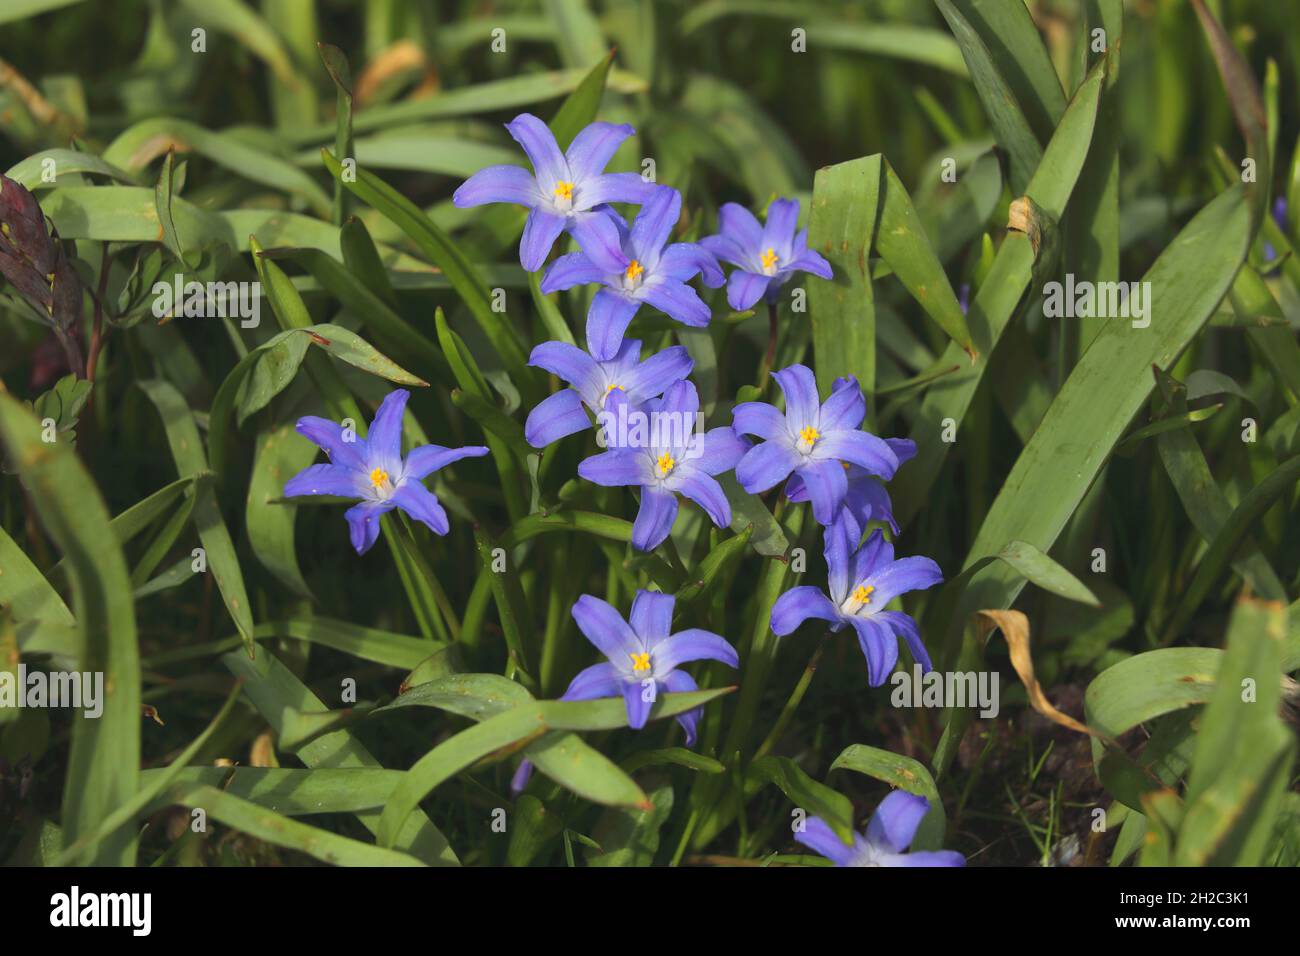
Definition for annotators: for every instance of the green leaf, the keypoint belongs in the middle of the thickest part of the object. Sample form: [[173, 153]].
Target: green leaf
[[905, 774], [187, 452], [280, 454], [1244, 753], [103, 765], [631, 837], [842, 226], [274, 690], [998, 296], [815, 799], [443, 253], [1105, 390]]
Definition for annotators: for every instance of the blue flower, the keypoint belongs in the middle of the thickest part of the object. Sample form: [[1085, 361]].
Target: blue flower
[[563, 189], [889, 834], [862, 581], [643, 658], [812, 439], [765, 256], [668, 458], [866, 498], [374, 470], [635, 268], [598, 384]]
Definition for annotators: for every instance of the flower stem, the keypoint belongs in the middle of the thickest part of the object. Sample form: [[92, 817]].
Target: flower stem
[[796, 697], [770, 357]]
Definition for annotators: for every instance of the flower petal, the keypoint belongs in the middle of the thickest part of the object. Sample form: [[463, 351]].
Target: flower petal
[[539, 144], [778, 232], [811, 261], [875, 554], [929, 858], [720, 450], [601, 624], [598, 680], [607, 320], [765, 465], [554, 417], [385, 438], [693, 644], [857, 448], [904, 449], [422, 505], [654, 519], [426, 459], [744, 289], [652, 615], [738, 224], [905, 627], [705, 492], [575, 268], [678, 300], [540, 232], [571, 364], [653, 376], [680, 682], [818, 836], [363, 523], [522, 775], [682, 260], [845, 408], [906, 574], [761, 420], [612, 187], [827, 485], [618, 466], [593, 148], [840, 542], [327, 479], [600, 235], [879, 647], [802, 406], [512, 184], [893, 825], [634, 696], [329, 436], [654, 223], [799, 604], [868, 500]]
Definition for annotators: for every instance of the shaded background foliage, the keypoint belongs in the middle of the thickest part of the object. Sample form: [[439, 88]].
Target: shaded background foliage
[[729, 113]]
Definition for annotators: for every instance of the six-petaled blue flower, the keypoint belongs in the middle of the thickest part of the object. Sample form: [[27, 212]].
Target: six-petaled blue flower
[[812, 439], [671, 458], [374, 470], [598, 385], [564, 191], [889, 834], [633, 267], [862, 581], [643, 657], [765, 256]]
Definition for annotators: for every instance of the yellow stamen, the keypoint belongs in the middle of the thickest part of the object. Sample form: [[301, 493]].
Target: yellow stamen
[[769, 260], [641, 661], [379, 477], [808, 434], [610, 388], [634, 270], [863, 593], [564, 190], [666, 464]]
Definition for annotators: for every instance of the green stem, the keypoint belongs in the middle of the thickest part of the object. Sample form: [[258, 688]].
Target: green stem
[[796, 698]]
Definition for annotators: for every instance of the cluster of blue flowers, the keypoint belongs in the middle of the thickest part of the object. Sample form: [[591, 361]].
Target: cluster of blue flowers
[[817, 448]]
